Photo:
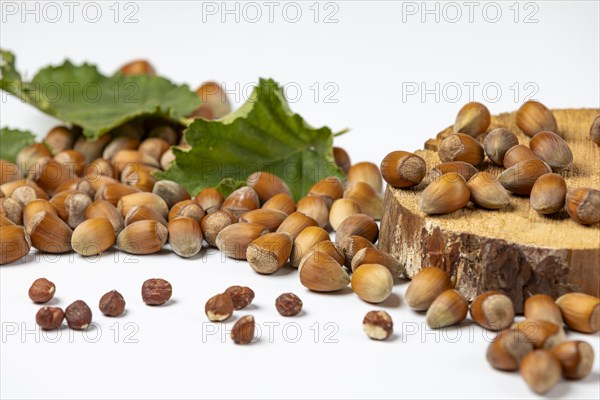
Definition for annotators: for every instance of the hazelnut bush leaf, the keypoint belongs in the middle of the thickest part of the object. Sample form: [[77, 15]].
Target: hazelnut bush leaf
[[12, 141], [262, 135], [80, 95]]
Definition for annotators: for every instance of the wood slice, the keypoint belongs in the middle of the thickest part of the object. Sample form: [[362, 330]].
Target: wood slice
[[514, 250]]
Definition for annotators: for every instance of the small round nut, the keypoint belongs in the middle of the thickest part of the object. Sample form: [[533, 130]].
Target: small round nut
[[241, 296], [288, 304], [378, 325], [78, 315], [156, 292], [219, 308], [243, 330], [49, 317], [112, 304], [42, 290]]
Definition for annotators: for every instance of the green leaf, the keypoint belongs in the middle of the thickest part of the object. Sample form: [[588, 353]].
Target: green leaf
[[262, 135], [12, 141], [228, 185], [80, 95]]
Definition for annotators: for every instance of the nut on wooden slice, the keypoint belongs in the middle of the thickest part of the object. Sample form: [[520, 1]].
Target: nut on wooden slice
[[368, 199], [210, 199], [93, 236], [534, 117], [580, 311], [269, 252], [243, 330], [281, 202], [493, 310], [214, 223], [330, 189], [270, 218], [370, 255], [548, 194], [449, 308], [234, 239], [373, 283], [104, 209], [185, 236], [541, 307], [487, 192], [316, 208], [461, 147], [357, 225], [462, 168], [473, 119], [425, 287], [542, 334], [366, 172], [378, 325], [14, 243], [219, 308], [445, 195], [507, 350], [141, 213], [540, 370], [576, 358], [49, 233], [305, 240], [342, 209], [143, 237], [322, 273], [352, 245], [583, 205], [497, 142], [553, 149], [241, 201], [402, 169], [267, 185], [295, 223], [521, 177]]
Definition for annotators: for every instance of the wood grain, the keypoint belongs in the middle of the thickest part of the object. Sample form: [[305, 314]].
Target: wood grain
[[515, 250]]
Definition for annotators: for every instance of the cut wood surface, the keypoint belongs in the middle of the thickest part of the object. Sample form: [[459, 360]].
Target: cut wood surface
[[515, 249]]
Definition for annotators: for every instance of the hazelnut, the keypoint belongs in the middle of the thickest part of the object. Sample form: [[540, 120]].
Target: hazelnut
[[241, 296], [112, 304], [378, 325], [219, 307], [78, 315], [288, 304], [156, 292], [243, 330], [42, 290], [49, 317]]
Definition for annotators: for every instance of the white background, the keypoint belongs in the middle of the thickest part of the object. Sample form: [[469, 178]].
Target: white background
[[373, 55]]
